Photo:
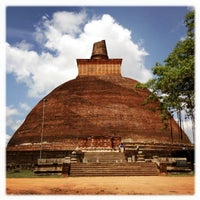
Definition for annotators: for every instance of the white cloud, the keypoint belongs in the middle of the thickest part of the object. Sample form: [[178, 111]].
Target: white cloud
[[11, 122], [68, 22], [10, 111], [25, 106], [24, 45], [65, 37]]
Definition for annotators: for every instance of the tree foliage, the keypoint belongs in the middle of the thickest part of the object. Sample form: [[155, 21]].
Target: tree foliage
[[173, 82]]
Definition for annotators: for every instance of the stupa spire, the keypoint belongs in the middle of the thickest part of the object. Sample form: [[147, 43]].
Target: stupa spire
[[99, 50]]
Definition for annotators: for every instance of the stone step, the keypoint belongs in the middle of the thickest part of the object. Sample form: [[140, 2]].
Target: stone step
[[135, 164], [117, 174], [111, 170]]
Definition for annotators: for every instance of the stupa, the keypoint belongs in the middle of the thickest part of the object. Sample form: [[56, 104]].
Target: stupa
[[97, 111]]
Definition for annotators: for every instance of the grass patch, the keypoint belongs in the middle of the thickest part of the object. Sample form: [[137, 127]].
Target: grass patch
[[29, 174], [181, 173]]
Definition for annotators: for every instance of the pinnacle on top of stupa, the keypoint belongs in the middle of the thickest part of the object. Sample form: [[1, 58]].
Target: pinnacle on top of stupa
[[99, 50]]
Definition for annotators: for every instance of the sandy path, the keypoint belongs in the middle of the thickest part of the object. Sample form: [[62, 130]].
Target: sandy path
[[101, 185]]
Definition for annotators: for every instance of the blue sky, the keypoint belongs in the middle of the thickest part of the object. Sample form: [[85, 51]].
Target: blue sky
[[44, 42]]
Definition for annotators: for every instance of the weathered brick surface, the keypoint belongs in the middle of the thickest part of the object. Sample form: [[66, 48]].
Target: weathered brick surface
[[104, 108], [101, 67]]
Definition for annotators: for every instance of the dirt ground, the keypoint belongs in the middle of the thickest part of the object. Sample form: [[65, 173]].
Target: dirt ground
[[147, 185]]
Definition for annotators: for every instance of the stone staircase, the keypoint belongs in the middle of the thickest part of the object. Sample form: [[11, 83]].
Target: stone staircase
[[114, 169], [111, 164]]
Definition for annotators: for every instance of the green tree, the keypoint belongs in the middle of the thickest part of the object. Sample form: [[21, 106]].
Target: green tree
[[173, 82]]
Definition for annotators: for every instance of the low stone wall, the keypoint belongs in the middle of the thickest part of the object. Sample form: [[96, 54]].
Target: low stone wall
[[30, 158]]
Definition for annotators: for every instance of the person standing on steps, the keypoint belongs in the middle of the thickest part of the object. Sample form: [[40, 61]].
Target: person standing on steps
[[119, 147]]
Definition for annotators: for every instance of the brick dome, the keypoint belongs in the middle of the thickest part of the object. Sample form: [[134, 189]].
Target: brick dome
[[98, 105]]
